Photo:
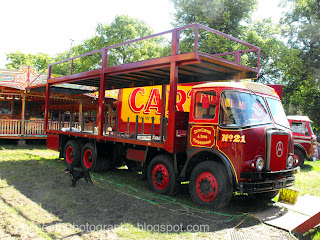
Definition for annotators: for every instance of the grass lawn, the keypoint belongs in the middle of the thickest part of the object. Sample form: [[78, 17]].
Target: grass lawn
[[37, 202], [308, 182]]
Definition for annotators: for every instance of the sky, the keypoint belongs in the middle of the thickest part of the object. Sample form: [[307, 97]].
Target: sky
[[34, 26]]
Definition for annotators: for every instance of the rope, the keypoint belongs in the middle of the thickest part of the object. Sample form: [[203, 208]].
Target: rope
[[185, 209]]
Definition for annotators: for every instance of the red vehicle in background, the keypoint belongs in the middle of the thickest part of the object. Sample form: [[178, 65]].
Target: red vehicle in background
[[305, 142]]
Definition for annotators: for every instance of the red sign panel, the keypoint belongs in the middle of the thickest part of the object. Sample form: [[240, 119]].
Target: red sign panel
[[279, 152], [202, 136]]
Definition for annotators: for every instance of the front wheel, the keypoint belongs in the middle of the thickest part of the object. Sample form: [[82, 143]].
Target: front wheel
[[161, 175], [209, 185]]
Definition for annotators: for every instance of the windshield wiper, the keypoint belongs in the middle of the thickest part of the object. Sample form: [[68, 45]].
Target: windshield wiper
[[259, 102]]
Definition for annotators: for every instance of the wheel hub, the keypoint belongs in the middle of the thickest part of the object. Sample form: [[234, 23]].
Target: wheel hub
[[160, 176], [87, 159], [206, 186], [69, 155]]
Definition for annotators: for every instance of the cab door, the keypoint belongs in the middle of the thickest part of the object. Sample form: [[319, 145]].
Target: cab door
[[203, 118]]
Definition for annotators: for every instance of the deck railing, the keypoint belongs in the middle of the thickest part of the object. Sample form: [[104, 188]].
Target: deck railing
[[56, 125], [177, 37], [10, 127], [13, 127]]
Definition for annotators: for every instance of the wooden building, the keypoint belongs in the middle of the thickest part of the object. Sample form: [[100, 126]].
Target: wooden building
[[22, 111]]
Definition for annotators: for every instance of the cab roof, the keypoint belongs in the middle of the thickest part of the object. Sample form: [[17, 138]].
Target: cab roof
[[252, 86], [299, 118]]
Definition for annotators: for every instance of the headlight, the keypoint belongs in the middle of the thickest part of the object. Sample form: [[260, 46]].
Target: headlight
[[259, 164], [290, 162]]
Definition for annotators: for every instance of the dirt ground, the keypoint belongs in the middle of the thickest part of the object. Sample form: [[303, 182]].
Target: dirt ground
[[37, 202]]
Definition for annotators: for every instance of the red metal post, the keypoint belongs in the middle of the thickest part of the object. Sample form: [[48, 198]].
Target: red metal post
[[237, 57], [46, 107], [171, 131], [101, 100], [163, 110], [196, 38]]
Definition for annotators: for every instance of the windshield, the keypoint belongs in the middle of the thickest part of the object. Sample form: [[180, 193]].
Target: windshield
[[239, 109], [277, 112]]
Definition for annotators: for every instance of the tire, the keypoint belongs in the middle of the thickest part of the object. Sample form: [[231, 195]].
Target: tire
[[72, 153], [300, 156], [209, 185], [161, 175], [89, 158], [266, 195]]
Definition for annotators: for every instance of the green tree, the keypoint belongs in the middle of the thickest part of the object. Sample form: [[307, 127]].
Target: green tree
[[222, 15], [302, 30], [122, 29], [278, 61], [227, 16], [17, 59]]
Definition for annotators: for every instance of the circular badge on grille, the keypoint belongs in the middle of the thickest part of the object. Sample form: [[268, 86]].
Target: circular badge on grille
[[279, 149]]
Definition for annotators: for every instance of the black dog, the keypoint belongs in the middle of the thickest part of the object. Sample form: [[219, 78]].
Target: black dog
[[75, 175]]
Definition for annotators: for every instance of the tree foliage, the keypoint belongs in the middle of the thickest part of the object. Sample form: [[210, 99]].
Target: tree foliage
[[277, 60], [222, 15], [17, 59], [122, 29], [301, 27], [227, 16]]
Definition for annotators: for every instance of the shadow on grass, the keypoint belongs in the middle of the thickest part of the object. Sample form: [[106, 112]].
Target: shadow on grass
[[306, 168], [11, 144], [119, 197]]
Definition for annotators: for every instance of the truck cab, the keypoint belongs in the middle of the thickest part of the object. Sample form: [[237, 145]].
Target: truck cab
[[305, 141], [245, 127]]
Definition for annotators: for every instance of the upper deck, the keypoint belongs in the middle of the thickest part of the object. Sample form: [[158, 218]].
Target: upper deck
[[194, 65]]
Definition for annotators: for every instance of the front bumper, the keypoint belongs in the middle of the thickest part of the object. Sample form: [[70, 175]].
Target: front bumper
[[267, 181]]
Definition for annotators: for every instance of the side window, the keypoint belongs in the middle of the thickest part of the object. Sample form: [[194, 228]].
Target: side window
[[205, 105], [298, 127]]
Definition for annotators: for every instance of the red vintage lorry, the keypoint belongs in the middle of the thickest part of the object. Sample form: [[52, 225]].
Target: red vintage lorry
[[305, 141], [230, 137]]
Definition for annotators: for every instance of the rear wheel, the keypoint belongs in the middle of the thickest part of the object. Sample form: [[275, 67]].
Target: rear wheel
[[89, 159], [72, 153], [299, 155], [209, 185], [161, 175]]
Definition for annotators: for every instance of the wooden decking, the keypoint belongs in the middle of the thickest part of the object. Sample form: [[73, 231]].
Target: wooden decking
[[27, 129]]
